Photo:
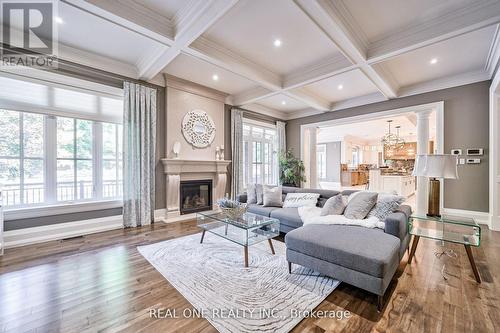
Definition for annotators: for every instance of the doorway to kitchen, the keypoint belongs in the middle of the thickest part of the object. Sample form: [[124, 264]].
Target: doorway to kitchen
[[374, 152]]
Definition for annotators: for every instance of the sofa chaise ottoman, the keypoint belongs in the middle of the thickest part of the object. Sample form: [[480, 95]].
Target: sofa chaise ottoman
[[363, 257]]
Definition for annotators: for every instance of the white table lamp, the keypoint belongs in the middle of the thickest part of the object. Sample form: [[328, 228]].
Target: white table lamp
[[435, 166]]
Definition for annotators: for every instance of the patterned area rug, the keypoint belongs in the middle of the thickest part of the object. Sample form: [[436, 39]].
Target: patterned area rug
[[260, 298]]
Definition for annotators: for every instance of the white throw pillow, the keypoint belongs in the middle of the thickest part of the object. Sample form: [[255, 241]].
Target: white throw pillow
[[294, 200], [272, 196], [251, 194]]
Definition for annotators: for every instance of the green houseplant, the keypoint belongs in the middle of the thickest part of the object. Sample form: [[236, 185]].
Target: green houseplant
[[291, 169]]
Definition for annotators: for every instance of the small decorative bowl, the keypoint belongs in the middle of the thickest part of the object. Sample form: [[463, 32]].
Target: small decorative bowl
[[234, 213]]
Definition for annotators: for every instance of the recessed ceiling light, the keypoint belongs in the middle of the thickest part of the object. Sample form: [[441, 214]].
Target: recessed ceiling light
[[277, 42], [340, 87], [283, 102], [433, 61], [58, 20], [215, 77]]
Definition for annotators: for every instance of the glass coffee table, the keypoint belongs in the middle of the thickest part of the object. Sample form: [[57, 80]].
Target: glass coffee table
[[453, 229], [247, 230]]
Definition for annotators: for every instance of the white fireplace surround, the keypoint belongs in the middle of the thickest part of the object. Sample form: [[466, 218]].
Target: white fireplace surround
[[176, 170]]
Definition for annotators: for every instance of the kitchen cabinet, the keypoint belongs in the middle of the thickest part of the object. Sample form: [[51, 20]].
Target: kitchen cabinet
[[403, 185]]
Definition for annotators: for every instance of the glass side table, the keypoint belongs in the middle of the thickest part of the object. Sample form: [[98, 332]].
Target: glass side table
[[453, 229]]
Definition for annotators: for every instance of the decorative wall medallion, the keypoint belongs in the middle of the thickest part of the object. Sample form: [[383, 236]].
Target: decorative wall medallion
[[198, 128]]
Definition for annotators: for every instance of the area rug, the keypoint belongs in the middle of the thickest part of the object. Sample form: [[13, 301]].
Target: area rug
[[260, 298]]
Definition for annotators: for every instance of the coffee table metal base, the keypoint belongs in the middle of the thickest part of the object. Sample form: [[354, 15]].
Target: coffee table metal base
[[245, 247]]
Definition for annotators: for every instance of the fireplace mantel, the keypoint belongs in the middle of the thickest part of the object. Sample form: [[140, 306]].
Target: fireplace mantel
[[176, 170], [177, 166]]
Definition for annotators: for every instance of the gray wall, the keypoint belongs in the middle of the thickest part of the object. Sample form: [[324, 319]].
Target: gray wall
[[466, 122]]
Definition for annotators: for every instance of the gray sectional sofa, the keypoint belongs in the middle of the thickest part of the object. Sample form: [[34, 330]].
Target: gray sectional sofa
[[363, 257]]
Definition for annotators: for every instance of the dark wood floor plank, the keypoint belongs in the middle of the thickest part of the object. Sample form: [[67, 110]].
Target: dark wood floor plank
[[101, 283]]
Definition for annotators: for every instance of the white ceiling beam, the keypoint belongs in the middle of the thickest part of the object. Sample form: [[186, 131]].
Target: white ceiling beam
[[305, 96], [322, 70], [326, 16], [217, 55], [251, 96], [201, 17], [131, 16], [476, 15]]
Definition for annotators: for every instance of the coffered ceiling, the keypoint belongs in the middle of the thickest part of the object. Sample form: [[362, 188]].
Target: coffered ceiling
[[289, 57]]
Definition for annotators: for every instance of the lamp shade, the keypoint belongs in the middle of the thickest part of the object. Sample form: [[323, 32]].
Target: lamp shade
[[436, 166]]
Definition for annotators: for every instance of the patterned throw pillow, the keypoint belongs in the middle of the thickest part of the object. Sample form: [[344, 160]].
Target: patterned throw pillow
[[360, 204], [386, 204], [294, 200], [272, 196], [251, 194], [334, 205]]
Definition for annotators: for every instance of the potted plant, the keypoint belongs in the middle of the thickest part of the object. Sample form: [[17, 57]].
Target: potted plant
[[291, 169]]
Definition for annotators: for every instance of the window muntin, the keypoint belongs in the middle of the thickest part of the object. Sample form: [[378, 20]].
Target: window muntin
[[260, 160]]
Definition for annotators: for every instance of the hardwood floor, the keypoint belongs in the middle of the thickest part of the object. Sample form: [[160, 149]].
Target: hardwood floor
[[101, 283]]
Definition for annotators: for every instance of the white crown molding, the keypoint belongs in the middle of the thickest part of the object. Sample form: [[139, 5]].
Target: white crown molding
[[266, 111], [358, 101], [96, 61], [138, 19], [194, 88], [493, 54], [444, 83], [303, 113], [476, 15], [321, 70]]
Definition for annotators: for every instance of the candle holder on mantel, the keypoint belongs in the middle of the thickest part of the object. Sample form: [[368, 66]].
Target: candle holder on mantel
[[221, 153], [217, 150]]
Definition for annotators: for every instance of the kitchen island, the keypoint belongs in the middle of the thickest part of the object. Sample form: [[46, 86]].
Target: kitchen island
[[402, 184]]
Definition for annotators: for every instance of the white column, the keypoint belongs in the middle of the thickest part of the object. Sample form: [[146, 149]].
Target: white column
[[422, 149], [309, 157]]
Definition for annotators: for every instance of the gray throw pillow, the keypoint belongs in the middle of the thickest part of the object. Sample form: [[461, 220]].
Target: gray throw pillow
[[259, 193], [360, 205], [386, 204], [334, 205], [251, 194], [272, 196]]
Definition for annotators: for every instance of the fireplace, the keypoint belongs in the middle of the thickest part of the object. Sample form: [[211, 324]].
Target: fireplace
[[195, 196]]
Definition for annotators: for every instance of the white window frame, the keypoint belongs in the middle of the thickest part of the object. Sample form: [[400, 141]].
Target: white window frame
[[51, 206], [248, 159]]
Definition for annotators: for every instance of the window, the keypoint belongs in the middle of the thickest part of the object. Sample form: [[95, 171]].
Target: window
[[60, 140], [21, 158], [260, 160], [321, 160], [46, 159]]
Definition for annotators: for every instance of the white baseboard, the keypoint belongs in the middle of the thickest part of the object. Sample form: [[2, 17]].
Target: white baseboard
[[480, 217], [27, 236], [34, 235]]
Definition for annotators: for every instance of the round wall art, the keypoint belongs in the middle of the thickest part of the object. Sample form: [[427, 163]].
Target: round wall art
[[198, 128]]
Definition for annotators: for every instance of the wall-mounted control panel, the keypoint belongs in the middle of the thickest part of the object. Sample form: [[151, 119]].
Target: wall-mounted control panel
[[473, 160], [475, 152], [456, 151]]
